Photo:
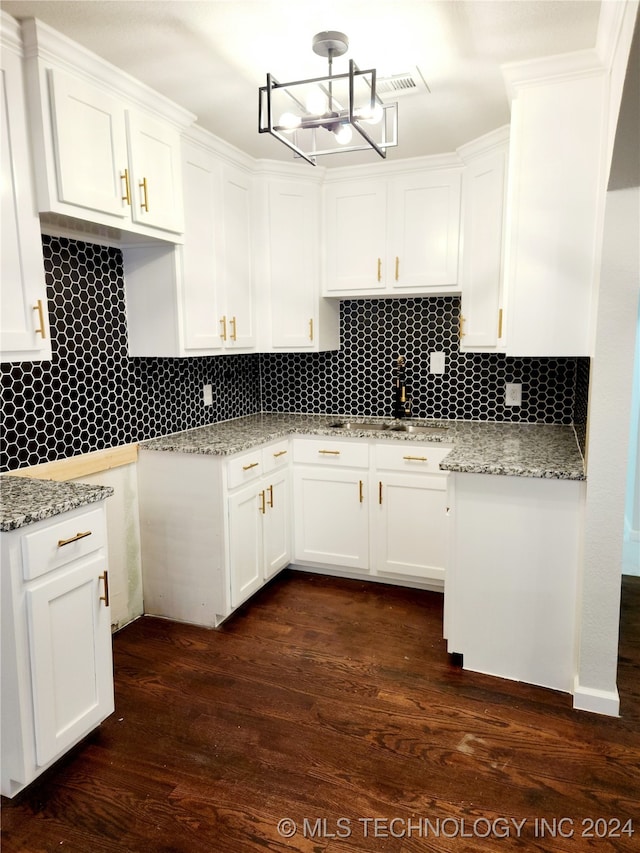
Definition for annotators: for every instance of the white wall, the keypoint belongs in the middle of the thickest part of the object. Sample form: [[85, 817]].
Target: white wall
[[607, 454]]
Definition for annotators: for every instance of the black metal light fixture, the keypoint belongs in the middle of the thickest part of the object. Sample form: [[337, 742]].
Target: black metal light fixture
[[319, 115]]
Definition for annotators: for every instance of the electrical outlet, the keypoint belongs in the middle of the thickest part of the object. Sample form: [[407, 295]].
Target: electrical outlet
[[513, 394], [436, 362], [207, 395]]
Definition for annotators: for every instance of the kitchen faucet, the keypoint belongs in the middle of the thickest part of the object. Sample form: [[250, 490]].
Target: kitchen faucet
[[401, 405]]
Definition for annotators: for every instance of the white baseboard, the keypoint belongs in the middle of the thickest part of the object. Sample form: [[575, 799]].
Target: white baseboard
[[596, 701]]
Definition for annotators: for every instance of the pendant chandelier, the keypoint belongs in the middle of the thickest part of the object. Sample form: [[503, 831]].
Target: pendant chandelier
[[330, 114]]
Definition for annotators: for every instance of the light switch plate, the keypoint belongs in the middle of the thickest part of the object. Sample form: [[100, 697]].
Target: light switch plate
[[207, 395], [437, 362]]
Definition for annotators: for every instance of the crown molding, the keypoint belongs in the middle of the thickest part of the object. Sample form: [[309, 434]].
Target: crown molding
[[551, 69]]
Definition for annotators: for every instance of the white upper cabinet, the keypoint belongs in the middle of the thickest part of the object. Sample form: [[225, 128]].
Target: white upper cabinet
[[295, 318], [197, 298], [394, 236], [483, 201], [107, 147], [557, 183], [24, 331]]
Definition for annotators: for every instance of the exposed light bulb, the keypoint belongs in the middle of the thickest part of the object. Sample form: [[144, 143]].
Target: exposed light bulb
[[289, 121], [343, 134], [316, 102], [371, 116]]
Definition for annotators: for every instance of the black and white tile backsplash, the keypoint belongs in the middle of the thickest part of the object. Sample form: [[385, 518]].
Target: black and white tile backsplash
[[92, 395]]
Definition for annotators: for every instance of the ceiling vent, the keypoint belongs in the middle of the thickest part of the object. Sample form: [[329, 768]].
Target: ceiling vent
[[408, 83]]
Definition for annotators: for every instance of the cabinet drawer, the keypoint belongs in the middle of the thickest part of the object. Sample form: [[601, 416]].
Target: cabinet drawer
[[330, 452], [420, 457], [62, 542], [244, 468], [276, 455]]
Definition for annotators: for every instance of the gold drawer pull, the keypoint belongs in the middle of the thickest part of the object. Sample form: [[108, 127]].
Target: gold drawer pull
[[75, 538], [41, 330], [144, 205], [379, 269], [234, 333], [397, 268], [105, 578], [263, 506], [311, 329], [223, 333], [461, 330], [380, 492], [279, 453], [500, 323], [248, 467], [361, 493], [330, 452], [270, 500], [127, 189], [416, 458]]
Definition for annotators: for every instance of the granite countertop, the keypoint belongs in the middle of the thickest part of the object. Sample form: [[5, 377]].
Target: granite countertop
[[24, 500], [521, 450]]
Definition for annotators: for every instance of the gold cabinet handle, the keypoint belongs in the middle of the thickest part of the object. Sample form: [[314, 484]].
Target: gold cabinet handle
[[461, 327], [380, 492], [124, 176], [311, 329], [361, 491], [105, 579], [397, 268], [249, 467], [279, 453], [263, 506], [234, 333], [270, 501], [379, 269], [416, 458], [330, 452], [145, 203], [500, 323], [63, 542], [41, 330], [223, 333]]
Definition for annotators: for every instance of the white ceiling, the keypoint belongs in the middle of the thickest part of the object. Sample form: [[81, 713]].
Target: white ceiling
[[211, 56]]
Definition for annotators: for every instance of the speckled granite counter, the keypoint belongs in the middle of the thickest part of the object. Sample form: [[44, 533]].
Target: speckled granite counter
[[24, 500], [521, 450]]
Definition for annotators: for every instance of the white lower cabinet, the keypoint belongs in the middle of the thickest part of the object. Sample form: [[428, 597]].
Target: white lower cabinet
[[409, 512], [259, 527], [512, 586], [57, 673], [379, 509], [214, 529]]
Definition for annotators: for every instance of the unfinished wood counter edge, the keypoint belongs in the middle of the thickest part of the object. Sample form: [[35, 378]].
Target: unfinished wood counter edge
[[75, 467]]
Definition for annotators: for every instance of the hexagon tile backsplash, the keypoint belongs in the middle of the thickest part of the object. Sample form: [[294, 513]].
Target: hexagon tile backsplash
[[92, 395]]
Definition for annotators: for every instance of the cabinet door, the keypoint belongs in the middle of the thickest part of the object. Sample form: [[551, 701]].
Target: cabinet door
[[332, 524], [424, 230], [410, 526], [245, 543], [70, 653], [154, 158], [295, 262], [23, 308], [481, 276], [237, 261], [90, 145], [355, 227], [277, 527], [200, 309]]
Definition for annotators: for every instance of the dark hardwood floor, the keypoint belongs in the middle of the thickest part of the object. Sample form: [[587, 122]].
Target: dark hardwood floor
[[332, 703]]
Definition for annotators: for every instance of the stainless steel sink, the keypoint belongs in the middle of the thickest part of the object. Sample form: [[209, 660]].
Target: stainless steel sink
[[418, 429], [364, 425]]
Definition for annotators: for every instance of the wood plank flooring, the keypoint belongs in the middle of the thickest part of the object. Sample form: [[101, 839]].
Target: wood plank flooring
[[332, 703]]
